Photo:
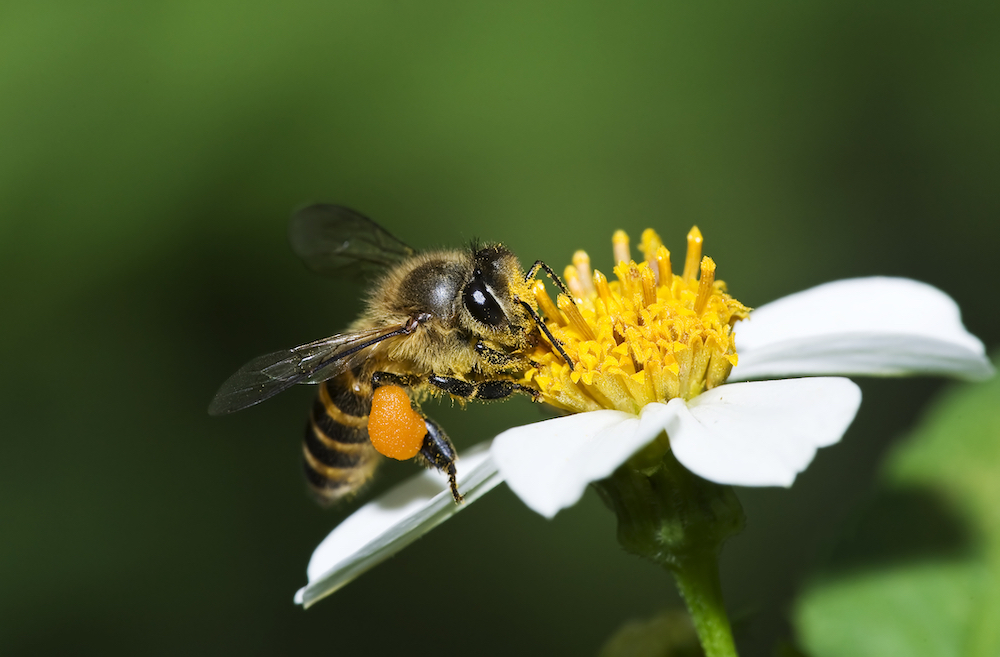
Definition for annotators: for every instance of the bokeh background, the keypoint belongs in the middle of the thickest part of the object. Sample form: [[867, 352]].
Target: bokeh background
[[151, 153]]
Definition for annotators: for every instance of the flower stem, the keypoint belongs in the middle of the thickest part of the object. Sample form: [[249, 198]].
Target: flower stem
[[698, 581], [679, 521]]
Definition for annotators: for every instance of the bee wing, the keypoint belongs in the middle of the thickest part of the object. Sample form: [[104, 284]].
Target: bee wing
[[267, 375], [332, 239]]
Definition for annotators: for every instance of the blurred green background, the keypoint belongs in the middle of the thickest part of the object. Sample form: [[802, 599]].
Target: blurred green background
[[150, 155]]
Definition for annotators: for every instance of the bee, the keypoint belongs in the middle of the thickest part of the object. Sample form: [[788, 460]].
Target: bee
[[457, 322]]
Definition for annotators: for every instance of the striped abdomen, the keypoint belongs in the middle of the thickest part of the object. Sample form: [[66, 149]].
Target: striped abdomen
[[339, 458]]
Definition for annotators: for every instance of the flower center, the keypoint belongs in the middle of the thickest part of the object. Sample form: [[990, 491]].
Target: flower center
[[649, 336]]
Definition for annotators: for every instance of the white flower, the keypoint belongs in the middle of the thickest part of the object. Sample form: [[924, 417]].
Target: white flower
[[757, 433], [389, 523], [760, 433]]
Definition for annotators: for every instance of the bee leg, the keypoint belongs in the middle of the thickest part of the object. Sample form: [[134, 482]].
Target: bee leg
[[534, 315], [484, 390], [548, 333], [436, 450], [439, 453], [499, 389], [390, 379], [494, 356]]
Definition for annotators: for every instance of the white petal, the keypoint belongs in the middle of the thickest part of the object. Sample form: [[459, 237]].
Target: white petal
[[877, 326], [549, 464], [389, 523], [761, 433]]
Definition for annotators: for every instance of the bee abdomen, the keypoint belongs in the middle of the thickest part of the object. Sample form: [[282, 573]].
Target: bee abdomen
[[339, 458]]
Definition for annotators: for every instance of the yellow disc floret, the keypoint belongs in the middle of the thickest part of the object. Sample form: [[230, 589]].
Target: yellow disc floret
[[649, 336]]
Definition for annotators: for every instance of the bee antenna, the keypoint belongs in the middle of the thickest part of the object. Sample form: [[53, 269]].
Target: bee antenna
[[540, 264], [547, 332]]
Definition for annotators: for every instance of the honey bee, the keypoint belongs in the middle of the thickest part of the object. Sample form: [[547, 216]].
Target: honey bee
[[455, 322]]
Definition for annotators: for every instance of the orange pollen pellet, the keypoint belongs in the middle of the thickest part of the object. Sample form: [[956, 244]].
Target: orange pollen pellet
[[395, 429]]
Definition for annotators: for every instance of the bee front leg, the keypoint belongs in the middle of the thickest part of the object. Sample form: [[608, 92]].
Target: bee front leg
[[494, 356]]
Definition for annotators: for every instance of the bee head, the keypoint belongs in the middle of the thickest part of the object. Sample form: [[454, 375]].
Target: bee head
[[490, 296]]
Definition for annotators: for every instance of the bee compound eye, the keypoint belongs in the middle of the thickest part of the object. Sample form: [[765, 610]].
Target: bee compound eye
[[482, 305]]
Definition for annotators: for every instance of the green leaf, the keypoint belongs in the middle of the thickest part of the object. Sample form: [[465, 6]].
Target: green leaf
[[920, 576]]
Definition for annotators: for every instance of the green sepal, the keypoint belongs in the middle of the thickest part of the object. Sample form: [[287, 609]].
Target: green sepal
[[679, 521], [666, 513]]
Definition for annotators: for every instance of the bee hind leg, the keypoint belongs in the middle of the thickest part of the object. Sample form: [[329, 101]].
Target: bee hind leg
[[438, 452]]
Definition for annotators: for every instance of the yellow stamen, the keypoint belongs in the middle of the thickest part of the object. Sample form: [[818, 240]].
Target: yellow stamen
[[693, 254], [663, 269], [582, 263], [603, 291], [628, 274], [576, 320], [648, 336], [572, 281], [548, 308], [619, 245], [648, 284], [649, 244], [705, 283]]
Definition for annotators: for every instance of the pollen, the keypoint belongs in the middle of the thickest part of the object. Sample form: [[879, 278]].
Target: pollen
[[394, 428], [647, 336]]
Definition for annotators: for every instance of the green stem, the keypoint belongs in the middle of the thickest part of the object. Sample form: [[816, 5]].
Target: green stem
[[698, 581], [679, 521]]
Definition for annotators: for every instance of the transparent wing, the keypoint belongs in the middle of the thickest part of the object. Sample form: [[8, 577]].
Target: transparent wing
[[267, 375], [332, 239]]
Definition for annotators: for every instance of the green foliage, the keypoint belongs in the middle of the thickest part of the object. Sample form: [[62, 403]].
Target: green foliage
[[930, 586]]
